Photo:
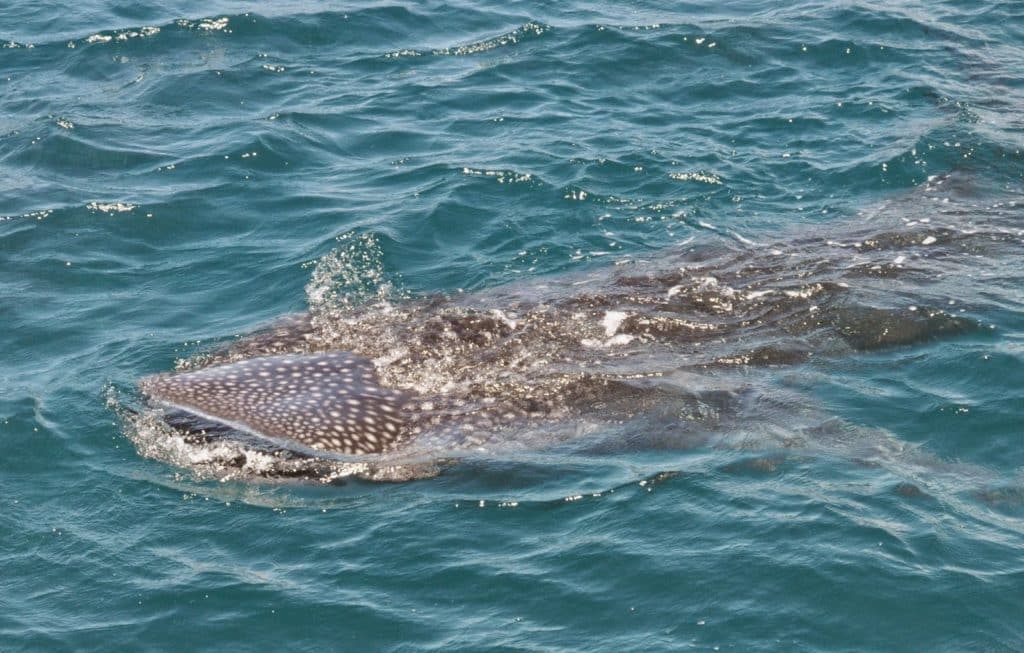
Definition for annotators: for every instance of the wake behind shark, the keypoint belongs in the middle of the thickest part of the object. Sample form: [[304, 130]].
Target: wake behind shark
[[389, 389]]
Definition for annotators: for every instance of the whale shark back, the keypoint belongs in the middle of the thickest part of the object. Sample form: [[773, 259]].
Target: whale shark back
[[328, 402]]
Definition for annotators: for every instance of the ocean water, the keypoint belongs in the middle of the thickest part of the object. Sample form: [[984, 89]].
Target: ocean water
[[811, 435]]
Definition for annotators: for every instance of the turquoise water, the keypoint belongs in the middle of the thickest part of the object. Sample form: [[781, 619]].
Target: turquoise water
[[172, 177]]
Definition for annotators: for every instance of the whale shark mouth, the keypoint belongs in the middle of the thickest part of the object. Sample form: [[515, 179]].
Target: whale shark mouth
[[678, 350]]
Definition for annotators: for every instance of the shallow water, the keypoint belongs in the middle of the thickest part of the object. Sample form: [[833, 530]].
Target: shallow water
[[175, 177]]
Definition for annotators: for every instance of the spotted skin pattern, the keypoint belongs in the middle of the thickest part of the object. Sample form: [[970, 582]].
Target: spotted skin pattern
[[328, 402]]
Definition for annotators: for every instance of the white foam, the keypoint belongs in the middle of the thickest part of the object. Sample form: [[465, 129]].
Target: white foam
[[111, 207], [612, 321], [505, 319]]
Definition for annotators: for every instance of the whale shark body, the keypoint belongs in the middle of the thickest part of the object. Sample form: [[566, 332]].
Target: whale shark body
[[394, 389]]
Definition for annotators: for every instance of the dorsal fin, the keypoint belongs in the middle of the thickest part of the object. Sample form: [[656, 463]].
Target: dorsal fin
[[328, 401]]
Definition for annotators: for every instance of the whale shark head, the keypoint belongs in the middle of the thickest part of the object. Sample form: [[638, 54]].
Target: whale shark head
[[328, 402]]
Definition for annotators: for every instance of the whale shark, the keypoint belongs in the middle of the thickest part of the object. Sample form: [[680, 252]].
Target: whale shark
[[393, 388]]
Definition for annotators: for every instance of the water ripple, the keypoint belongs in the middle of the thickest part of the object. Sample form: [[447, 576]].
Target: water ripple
[[175, 176]]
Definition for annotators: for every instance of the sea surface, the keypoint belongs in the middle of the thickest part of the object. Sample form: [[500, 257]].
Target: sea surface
[[177, 175]]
